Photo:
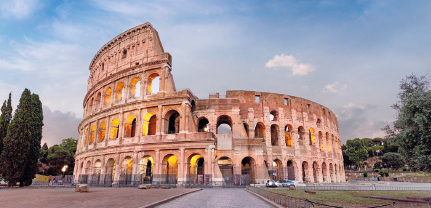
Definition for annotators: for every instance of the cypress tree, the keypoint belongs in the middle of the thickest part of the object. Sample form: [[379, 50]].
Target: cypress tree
[[17, 141], [6, 116], [36, 137]]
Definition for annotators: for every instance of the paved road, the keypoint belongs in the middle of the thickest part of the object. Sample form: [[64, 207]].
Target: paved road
[[217, 197]]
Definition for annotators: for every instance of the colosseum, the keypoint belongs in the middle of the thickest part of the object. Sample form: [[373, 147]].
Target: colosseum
[[139, 128]]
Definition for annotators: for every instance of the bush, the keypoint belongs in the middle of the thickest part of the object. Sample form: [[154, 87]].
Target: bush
[[377, 170], [365, 175], [384, 173], [405, 169]]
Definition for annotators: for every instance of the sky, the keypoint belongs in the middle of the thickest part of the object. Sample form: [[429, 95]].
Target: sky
[[349, 56]]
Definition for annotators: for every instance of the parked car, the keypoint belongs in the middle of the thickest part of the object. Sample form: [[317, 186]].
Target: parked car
[[287, 183], [3, 182], [271, 183]]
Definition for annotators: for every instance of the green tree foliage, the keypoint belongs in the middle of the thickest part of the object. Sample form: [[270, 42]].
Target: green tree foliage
[[60, 155], [44, 153], [392, 159], [18, 141], [356, 151], [373, 150], [36, 137], [378, 165], [412, 128], [6, 116]]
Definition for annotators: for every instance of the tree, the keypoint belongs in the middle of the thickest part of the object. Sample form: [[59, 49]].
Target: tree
[[6, 116], [43, 153], [412, 127], [356, 151], [17, 141], [377, 165], [36, 137], [60, 155], [392, 159]]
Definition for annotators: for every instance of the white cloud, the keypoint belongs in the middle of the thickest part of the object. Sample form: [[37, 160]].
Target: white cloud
[[290, 62], [334, 87], [18, 8]]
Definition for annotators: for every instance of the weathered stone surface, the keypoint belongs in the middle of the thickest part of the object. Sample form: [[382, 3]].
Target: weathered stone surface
[[128, 128], [82, 188]]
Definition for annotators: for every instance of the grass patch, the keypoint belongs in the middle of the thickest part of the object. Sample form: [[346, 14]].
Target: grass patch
[[347, 198]]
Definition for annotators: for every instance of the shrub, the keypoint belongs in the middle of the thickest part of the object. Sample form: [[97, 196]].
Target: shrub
[[405, 169], [365, 175], [386, 173]]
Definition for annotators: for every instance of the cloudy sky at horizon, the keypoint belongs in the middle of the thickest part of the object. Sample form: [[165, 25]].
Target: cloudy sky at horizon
[[349, 56]]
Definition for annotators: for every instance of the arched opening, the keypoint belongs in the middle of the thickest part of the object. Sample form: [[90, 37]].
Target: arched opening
[[170, 169], [328, 142], [274, 135], [248, 165], [331, 142], [203, 125], [196, 165], [324, 172], [172, 122], [259, 130], [91, 106], [225, 165], [301, 134], [224, 125], [92, 134], [126, 171], [149, 124], [287, 135], [102, 131], [276, 166], [321, 141], [120, 91], [290, 170], [246, 129], [85, 136], [335, 173], [87, 168], [153, 84], [130, 126], [305, 171], [273, 115], [311, 136], [319, 123], [192, 106], [315, 172], [108, 93], [110, 171], [146, 167], [135, 87], [96, 172], [115, 125], [331, 172], [97, 101]]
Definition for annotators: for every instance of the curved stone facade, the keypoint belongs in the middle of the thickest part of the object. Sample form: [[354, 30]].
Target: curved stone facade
[[128, 129]]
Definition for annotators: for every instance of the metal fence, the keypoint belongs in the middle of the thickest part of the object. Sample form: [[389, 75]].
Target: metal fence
[[354, 187], [199, 181], [284, 200]]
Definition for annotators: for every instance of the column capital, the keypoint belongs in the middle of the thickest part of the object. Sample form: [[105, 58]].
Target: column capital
[[157, 150], [160, 106], [182, 149]]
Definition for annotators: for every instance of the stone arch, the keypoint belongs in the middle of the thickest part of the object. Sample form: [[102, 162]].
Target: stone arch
[[259, 130], [224, 125], [301, 135], [328, 142], [91, 106], [278, 169], [87, 168], [110, 169], [325, 173], [149, 124], [135, 87], [331, 172], [274, 135], [336, 178], [130, 126], [273, 115], [225, 165], [319, 123], [203, 124], [311, 136], [115, 126], [316, 172], [97, 167], [172, 122], [119, 92], [288, 135], [102, 131], [107, 96], [92, 134], [290, 170], [85, 135], [170, 168], [146, 168], [196, 164], [248, 167], [126, 166], [321, 141], [153, 84], [305, 171]]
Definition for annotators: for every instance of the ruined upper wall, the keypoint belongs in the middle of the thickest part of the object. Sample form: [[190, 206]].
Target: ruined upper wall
[[136, 46], [247, 99]]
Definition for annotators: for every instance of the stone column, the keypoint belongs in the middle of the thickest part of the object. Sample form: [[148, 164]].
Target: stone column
[[298, 174], [102, 170], [107, 130], [159, 131], [162, 80], [251, 130], [117, 170], [281, 137], [181, 172], [157, 163], [183, 122]]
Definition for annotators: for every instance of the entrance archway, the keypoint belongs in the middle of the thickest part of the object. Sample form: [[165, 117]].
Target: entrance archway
[[290, 170], [172, 122], [130, 126], [196, 171], [126, 171], [110, 171], [146, 166], [170, 169], [324, 173], [248, 165], [278, 172], [225, 165], [315, 172], [305, 171]]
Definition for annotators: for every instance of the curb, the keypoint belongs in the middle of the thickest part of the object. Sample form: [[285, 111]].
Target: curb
[[265, 199], [168, 199]]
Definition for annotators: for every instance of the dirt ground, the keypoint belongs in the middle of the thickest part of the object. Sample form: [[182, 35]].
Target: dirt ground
[[97, 197]]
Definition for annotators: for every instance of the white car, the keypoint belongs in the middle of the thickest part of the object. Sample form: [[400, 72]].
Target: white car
[[3, 183]]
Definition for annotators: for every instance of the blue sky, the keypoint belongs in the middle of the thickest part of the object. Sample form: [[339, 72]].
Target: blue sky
[[347, 55]]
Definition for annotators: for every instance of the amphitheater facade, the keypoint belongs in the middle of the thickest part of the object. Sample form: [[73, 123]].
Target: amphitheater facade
[[158, 134]]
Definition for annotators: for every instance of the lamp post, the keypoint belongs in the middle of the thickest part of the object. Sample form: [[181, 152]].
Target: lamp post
[[64, 169]]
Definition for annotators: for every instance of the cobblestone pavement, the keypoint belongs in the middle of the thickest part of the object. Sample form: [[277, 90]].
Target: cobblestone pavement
[[217, 197]]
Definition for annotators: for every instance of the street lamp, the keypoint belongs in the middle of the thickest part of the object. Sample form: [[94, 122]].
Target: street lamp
[[64, 169]]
